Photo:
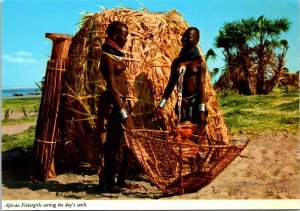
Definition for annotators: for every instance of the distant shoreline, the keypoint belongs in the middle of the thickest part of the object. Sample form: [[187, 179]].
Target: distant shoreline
[[20, 92], [20, 97]]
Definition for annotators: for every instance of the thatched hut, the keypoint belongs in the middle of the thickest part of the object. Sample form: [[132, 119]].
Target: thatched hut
[[153, 43]]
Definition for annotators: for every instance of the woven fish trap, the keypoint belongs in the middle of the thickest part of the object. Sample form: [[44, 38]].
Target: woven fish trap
[[176, 166]]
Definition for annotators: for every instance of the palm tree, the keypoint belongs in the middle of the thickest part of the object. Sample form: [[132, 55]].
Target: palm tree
[[283, 45], [266, 35], [249, 51], [210, 54], [234, 38]]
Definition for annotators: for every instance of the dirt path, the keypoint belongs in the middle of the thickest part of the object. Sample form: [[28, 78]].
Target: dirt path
[[14, 129], [267, 169], [17, 128]]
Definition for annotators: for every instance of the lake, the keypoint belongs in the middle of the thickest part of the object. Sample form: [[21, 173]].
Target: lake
[[15, 92]]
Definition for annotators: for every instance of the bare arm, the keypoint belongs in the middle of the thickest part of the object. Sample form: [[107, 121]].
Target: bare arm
[[202, 95], [202, 85], [172, 81]]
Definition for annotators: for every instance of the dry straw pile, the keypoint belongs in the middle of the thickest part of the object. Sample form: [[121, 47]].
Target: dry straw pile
[[153, 43]]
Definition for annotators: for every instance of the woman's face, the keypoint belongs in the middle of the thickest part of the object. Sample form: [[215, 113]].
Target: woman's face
[[189, 38], [121, 36]]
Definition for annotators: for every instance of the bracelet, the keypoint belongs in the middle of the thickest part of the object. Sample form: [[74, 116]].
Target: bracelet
[[123, 113], [162, 103], [201, 107]]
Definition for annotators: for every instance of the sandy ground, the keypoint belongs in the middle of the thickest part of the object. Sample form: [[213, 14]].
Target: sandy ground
[[14, 129], [268, 168]]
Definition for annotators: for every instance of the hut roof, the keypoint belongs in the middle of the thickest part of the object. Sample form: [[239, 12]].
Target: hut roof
[[153, 43]]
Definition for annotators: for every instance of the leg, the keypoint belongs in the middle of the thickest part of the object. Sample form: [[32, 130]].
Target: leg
[[111, 146], [124, 167]]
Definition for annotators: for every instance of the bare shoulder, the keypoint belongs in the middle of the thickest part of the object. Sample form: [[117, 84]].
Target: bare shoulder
[[106, 60], [107, 64], [201, 64], [175, 64]]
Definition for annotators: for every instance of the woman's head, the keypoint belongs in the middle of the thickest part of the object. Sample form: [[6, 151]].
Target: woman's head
[[190, 37], [118, 32]]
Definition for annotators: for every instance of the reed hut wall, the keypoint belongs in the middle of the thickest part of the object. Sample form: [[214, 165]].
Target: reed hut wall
[[153, 43]]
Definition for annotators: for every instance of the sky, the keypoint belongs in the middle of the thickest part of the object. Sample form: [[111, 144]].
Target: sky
[[25, 50]]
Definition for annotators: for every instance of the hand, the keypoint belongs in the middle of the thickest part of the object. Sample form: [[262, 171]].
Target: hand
[[202, 124], [202, 117], [128, 123], [158, 112], [200, 129]]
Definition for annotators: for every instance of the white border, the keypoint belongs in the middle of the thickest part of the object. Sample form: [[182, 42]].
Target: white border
[[148, 204]]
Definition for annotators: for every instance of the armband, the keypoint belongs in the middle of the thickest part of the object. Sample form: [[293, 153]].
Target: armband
[[123, 113], [162, 103], [201, 107]]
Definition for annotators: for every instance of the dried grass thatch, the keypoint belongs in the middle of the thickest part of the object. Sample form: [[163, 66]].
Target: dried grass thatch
[[153, 43]]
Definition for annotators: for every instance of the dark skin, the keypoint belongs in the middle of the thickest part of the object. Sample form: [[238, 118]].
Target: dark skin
[[113, 70], [194, 78], [114, 74]]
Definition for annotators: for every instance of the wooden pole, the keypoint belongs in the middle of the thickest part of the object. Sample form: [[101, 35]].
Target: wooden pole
[[46, 129]]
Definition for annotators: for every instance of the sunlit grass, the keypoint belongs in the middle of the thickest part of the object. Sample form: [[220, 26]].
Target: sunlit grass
[[278, 111], [23, 140], [16, 104], [19, 121], [27, 107]]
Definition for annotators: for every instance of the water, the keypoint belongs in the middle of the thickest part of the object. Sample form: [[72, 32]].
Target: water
[[9, 92]]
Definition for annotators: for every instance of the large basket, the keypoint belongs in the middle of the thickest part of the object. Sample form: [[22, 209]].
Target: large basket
[[178, 167]]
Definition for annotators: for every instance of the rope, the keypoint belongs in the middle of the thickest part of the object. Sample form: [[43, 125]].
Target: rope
[[46, 142], [59, 69]]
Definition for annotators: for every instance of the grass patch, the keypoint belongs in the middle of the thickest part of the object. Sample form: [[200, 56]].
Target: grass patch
[[289, 106], [289, 121], [278, 111], [19, 121], [28, 107], [23, 140], [21, 104]]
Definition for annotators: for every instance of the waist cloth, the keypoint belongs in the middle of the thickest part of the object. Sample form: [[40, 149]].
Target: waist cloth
[[189, 108]]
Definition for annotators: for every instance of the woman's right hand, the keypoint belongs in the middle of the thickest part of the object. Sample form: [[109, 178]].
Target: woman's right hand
[[128, 123], [157, 111]]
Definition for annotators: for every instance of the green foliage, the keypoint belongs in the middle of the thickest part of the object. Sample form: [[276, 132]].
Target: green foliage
[[7, 113], [249, 43], [18, 104], [210, 54], [278, 111], [26, 119], [23, 140], [24, 105], [289, 106], [24, 111]]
